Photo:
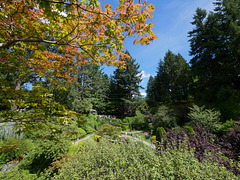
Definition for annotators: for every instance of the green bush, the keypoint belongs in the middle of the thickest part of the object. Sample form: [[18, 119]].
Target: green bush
[[13, 148], [81, 132], [140, 121], [136, 161], [160, 133], [165, 117], [189, 129], [209, 119], [109, 130], [91, 121], [88, 129], [16, 173], [226, 127], [44, 154]]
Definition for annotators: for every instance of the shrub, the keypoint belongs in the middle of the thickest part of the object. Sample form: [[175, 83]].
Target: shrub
[[111, 161], [13, 148], [81, 132], [147, 135], [153, 139], [160, 133], [226, 127], [109, 130], [231, 143], [44, 154], [136, 161], [203, 143], [17, 173], [189, 129], [165, 117], [91, 122], [88, 129], [210, 119]]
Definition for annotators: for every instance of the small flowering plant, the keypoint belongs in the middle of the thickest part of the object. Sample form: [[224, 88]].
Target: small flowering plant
[[146, 134]]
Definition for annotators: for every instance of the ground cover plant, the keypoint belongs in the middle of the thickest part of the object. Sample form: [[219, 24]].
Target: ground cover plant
[[134, 160]]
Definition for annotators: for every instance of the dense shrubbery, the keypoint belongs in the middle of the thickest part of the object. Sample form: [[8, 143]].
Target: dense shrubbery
[[210, 119], [109, 130], [165, 117], [136, 161], [45, 152], [204, 143], [17, 173], [12, 148]]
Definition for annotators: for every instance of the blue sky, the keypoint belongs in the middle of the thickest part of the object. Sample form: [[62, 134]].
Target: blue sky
[[172, 22]]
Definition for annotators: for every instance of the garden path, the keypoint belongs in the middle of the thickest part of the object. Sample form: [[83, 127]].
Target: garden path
[[133, 138], [79, 140], [140, 140]]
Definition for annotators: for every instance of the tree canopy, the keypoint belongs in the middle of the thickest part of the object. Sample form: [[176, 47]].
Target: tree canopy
[[47, 39]]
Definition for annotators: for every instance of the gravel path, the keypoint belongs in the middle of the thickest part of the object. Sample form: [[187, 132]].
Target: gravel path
[[133, 138], [140, 140]]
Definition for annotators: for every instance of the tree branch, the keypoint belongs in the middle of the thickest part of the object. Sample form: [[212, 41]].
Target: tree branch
[[79, 6]]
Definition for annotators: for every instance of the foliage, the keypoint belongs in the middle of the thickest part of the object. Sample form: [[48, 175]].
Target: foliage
[[180, 163], [215, 46], [136, 161], [160, 133], [228, 102], [12, 148], [153, 139], [88, 91], [165, 117], [189, 129], [210, 119], [92, 123], [109, 130], [139, 121], [124, 86], [45, 152], [17, 173], [81, 132], [172, 80], [204, 144], [226, 127], [49, 39], [231, 143], [78, 134], [7, 131]]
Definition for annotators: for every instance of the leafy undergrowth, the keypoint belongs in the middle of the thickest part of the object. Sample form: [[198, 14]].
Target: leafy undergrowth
[[224, 151], [109, 160]]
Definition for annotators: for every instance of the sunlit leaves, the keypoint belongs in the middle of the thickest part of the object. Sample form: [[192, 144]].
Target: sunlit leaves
[[48, 39]]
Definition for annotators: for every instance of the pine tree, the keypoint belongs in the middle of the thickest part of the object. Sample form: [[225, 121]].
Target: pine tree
[[124, 86], [172, 79], [215, 47]]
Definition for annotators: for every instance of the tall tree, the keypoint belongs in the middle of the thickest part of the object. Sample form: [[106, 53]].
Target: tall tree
[[171, 81], [215, 47], [87, 92], [124, 86]]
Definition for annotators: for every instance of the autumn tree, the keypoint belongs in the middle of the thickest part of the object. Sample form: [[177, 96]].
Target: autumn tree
[[80, 30]]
